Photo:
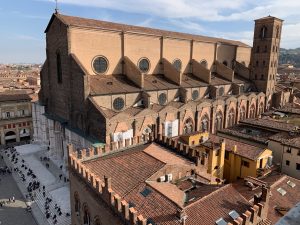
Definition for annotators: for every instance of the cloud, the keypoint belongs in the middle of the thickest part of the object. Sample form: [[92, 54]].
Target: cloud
[[213, 10], [27, 38]]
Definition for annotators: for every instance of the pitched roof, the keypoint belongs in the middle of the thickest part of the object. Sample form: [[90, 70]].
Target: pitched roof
[[98, 24], [269, 124], [15, 95], [127, 169], [274, 180], [216, 205], [245, 150]]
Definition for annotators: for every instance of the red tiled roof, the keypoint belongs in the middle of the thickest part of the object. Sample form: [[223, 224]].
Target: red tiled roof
[[269, 123], [97, 24], [244, 150], [14, 96], [216, 205], [127, 169]]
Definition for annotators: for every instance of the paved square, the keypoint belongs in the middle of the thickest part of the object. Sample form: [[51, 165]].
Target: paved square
[[13, 213]]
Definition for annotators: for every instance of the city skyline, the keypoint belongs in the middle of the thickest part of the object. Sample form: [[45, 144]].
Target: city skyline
[[23, 39]]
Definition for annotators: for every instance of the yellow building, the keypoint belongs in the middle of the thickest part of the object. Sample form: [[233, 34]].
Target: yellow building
[[242, 160], [214, 150]]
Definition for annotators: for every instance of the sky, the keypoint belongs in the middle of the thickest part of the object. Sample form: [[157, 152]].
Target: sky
[[22, 22]]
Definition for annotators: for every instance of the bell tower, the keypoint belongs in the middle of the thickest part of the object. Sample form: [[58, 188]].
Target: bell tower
[[265, 52]]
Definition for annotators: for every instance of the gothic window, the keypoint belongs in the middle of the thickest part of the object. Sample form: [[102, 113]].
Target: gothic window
[[76, 203], [162, 99], [225, 63], [86, 216], [276, 49], [177, 64], [277, 32], [242, 113], [261, 108], [221, 91], [252, 111], [219, 121], [203, 63], [195, 95], [144, 65], [118, 103], [262, 77], [188, 126], [231, 118], [264, 63], [263, 32], [58, 68], [205, 123], [257, 63], [266, 49], [100, 65], [273, 48], [257, 49]]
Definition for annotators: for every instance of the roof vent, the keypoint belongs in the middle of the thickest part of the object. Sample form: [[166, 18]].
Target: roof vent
[[109, 83], [281, 191], [291, 184], [233, 214], [221, 221]]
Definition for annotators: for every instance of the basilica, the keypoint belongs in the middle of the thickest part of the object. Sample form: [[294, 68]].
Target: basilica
[[105, 82]]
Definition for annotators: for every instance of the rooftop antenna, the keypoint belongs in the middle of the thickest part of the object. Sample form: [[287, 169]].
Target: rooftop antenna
[[56, 7]]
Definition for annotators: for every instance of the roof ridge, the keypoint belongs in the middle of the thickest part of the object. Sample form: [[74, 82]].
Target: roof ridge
[[161, 32], [211, 194]]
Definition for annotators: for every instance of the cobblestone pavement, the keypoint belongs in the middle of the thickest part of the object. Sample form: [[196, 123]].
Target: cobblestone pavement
[[13, 213]]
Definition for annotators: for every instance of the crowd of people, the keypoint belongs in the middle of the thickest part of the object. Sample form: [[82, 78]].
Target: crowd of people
[[33, 185]]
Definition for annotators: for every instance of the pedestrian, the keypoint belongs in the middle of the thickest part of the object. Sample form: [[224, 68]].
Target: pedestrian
[[13, 198], [44, 194], [60, 176]]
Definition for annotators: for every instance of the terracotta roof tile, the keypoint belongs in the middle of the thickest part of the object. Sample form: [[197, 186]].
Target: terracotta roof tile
[[245, 150], [216, 205], [97, 24], [269, 124], [126, 169], [16, 95]]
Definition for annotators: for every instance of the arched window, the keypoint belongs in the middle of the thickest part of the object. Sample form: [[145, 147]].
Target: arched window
[[225, 63], [263, 32], [231, 118], [242, 113], [277, 32], [266, 49], [97, 221], [219, 121], [262, 77], [255, 76], [257, 64], [221, 91], [86, 216], [203, 63], [58, 68], [177, 64], [252, 111], [257, 49], [77, 203], [261, 108], [188, 126], [264, 63], [204, 123]]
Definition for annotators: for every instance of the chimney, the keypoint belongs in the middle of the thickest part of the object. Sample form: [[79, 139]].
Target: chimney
[[265, 193], [182, 216]]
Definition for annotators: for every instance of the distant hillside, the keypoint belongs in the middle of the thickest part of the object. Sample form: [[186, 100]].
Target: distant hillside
[[290, 56]]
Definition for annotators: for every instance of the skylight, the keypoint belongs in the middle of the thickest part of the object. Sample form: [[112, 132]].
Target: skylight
[[233, 214], [221, 221], [281, 191], [291, 184], [146, 192]]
